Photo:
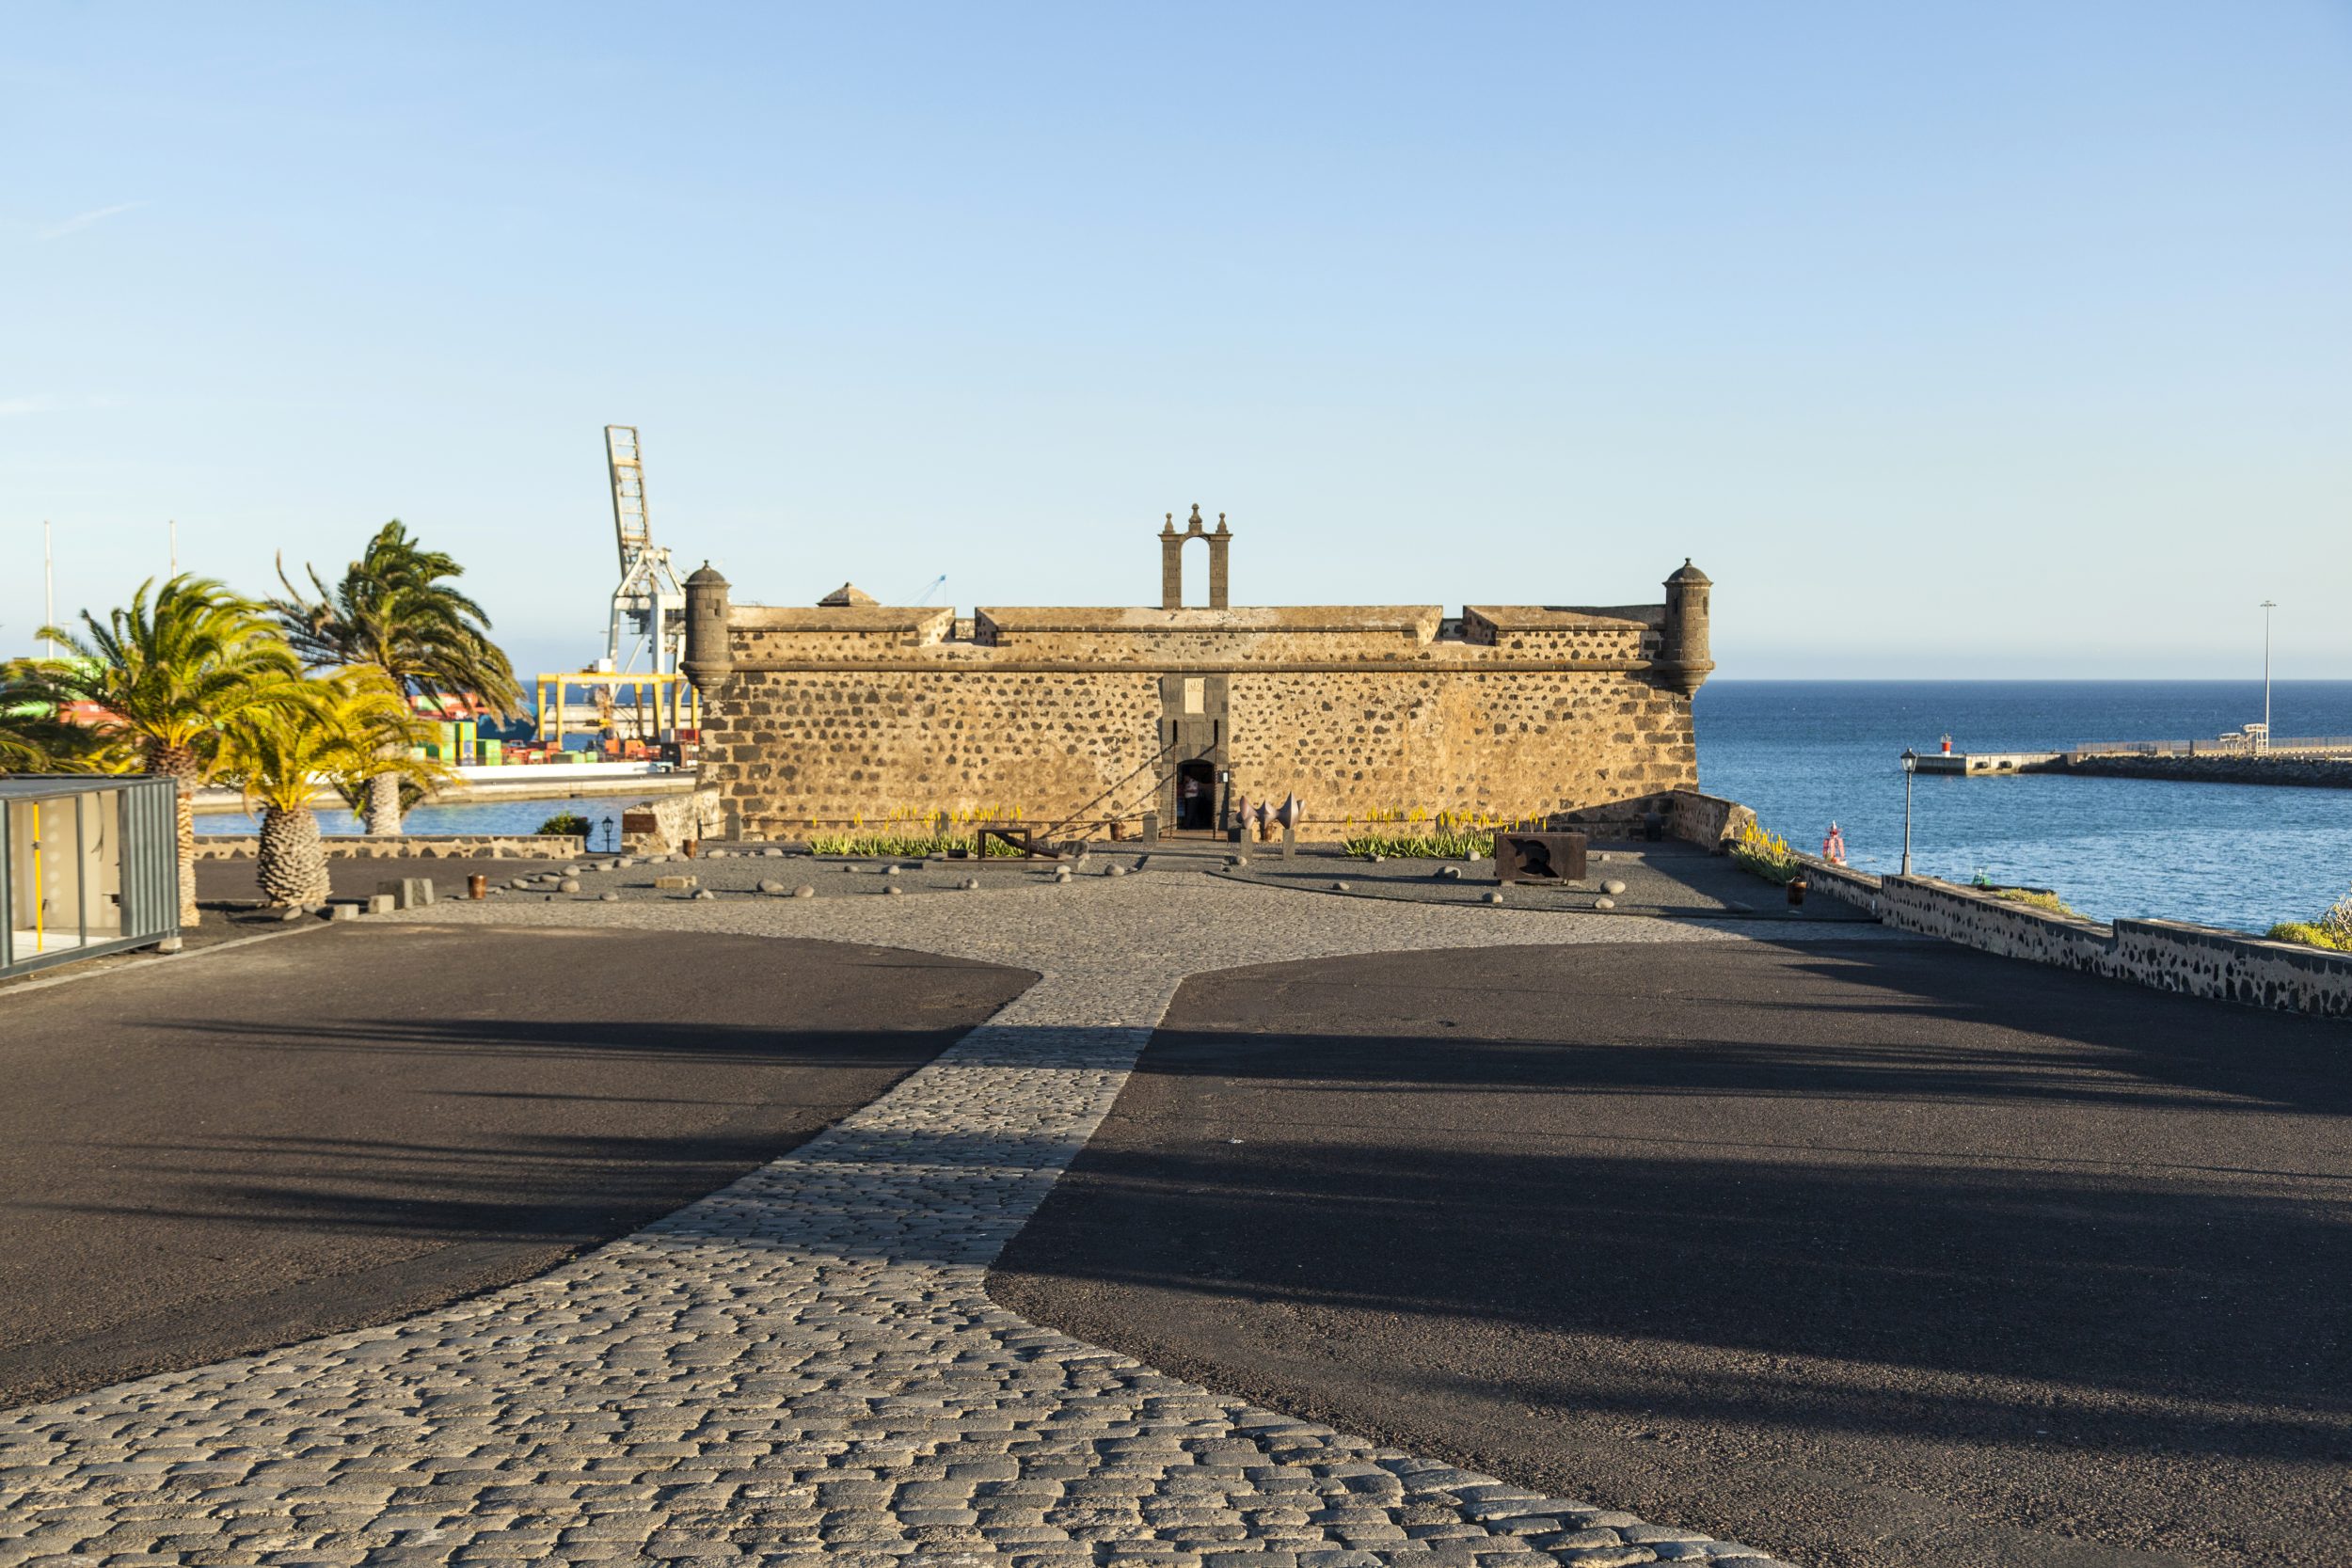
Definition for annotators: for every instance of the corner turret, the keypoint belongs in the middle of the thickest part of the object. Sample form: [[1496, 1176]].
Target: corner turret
[[710, 658], [1682, 653]]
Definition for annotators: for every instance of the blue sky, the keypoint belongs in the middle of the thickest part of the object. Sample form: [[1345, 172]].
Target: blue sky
[[1975, 339]]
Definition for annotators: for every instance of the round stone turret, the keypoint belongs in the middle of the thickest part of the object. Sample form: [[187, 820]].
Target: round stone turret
[[1682, 653], [710, 658]]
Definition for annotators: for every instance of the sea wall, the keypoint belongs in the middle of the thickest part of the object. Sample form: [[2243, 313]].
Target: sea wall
[[2166, 955], [228, 847], [2307, 771]]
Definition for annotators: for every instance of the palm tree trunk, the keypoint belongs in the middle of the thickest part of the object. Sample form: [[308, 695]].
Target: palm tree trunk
[[382, 811], [183, 824], [291, 865], [179, 764]]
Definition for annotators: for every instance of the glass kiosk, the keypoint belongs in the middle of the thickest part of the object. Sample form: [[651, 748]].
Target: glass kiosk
[[89, 865]]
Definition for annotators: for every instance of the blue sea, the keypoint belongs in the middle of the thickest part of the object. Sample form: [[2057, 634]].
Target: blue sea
[[603, 813], [1805, 753]]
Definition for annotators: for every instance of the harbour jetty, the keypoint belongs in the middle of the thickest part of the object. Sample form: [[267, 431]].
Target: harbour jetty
[[1984, 762], [2309, 771], [2318, 763]]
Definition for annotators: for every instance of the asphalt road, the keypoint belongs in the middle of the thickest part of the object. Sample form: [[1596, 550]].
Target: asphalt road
[[210, 1155], [1865, 1254]]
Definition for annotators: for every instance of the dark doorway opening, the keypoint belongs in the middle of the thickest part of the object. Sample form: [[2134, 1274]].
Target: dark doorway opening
[[1196, 795]]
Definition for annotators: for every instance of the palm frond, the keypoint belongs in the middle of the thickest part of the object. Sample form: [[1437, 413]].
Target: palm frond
[[394, 608]]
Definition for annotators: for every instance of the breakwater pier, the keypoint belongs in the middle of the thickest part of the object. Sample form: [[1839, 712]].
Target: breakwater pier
[[2322, 763]]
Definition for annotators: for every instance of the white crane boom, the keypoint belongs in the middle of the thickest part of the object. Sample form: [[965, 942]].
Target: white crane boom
[[649, 598]]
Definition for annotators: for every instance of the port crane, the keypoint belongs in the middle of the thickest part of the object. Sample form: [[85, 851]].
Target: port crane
[[621, 700], [649, 598]]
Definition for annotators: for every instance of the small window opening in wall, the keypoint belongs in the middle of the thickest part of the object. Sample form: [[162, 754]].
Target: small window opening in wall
[[1196, 694]]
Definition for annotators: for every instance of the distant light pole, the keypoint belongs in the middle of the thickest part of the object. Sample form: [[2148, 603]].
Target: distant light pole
[[48, 587], [1911, 766], [2267, 606]]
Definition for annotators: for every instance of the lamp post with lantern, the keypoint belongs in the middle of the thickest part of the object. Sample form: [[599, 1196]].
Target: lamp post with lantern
[[1911, 767]]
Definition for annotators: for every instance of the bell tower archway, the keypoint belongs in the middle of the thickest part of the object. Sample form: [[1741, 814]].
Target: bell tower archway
[[1172, 559]]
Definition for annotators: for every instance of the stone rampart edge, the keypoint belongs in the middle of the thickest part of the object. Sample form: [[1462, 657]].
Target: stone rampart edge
[[2165, 955]]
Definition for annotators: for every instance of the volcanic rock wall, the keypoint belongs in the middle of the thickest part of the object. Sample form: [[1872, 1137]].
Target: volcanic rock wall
[[826, 717]]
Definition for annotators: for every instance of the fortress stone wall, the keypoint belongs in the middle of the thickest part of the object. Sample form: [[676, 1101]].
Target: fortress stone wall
[[850, 710]]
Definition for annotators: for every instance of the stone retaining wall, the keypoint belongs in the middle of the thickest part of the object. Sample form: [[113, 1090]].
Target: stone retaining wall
[[225, 846], [1705, 819], [2168, 955], [662, 827]]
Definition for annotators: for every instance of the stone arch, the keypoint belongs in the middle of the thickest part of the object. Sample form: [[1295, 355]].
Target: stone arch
[[1172, 559]]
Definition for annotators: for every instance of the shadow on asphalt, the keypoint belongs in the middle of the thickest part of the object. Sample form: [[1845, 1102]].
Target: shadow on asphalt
[[200, 1159], [2043, 1248]]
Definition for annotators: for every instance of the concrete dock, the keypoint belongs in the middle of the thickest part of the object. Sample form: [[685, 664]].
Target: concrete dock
[[1985, 762]]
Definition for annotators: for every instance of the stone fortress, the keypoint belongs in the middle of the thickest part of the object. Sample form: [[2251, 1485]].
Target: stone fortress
[[1089, 719]]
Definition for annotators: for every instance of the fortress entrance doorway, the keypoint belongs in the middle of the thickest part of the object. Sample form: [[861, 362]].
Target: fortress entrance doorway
[[1196, 795]]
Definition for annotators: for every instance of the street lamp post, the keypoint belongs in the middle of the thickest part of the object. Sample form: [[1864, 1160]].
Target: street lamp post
[[1911, 766], [2267, 606]]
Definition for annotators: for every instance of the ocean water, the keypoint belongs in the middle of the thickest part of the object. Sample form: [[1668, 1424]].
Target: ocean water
[[1805, 753], [603, 813]]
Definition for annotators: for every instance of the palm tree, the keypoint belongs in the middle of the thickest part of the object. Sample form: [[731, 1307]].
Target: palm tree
[[395, 611], [169, 674], [353, 724], [36, 738]]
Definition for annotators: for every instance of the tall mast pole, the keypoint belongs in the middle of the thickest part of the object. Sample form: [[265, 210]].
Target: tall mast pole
[[175, 547], [2267, 607], [48, 587]]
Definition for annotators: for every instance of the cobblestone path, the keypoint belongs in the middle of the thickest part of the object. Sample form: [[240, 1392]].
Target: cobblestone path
[[806, 1363]]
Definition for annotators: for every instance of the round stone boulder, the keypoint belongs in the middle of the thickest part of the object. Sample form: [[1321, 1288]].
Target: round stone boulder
[[1604, 903], [569, 884], [1449, 873], [609, 897], [1339, 887], [1612, 887], [704, 894], [805, 890], [1115, 871], [773, 888], [1495, 897]]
